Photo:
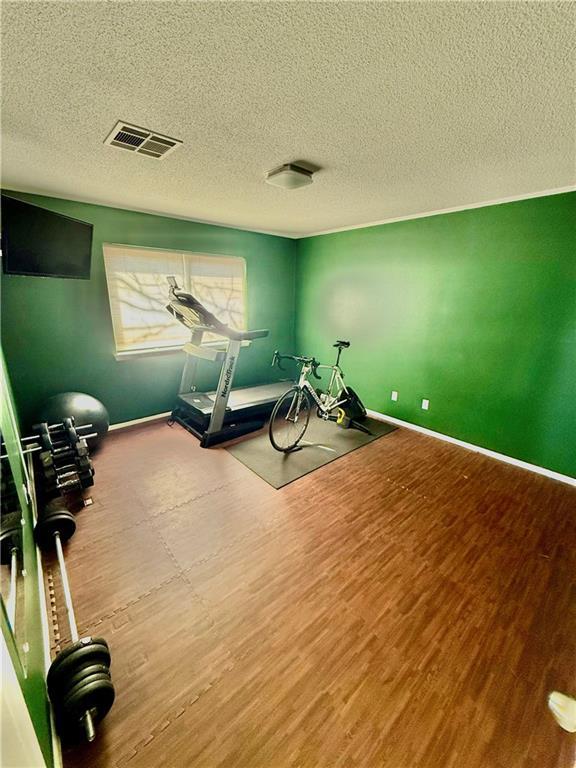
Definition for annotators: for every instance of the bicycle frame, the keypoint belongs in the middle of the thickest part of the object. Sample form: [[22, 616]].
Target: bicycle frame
[[336, 387], [283, 437]]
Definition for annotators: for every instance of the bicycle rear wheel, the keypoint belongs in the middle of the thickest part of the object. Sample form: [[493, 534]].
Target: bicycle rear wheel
[[289, 419]]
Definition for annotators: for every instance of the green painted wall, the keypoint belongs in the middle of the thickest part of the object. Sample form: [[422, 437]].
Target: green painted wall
[[57, 334], [474, 310]]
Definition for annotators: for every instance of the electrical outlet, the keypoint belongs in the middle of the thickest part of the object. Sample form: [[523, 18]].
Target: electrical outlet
[[425, 405], [394, 395]]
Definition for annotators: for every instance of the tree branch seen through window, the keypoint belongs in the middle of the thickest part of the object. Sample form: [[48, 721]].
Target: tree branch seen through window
[[138, 291]]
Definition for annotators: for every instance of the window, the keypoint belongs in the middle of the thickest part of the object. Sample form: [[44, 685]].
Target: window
[[138, 293]]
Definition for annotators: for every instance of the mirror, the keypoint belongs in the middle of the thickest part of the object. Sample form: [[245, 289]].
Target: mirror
[[12, 571]]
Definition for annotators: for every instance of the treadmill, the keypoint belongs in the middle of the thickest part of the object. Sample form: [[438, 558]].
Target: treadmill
[[226, 413]]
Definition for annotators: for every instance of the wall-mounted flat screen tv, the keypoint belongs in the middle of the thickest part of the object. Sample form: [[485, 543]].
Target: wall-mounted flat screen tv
[[39, 242]]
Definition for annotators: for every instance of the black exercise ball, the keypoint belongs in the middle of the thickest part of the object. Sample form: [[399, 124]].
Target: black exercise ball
[[84, 408]]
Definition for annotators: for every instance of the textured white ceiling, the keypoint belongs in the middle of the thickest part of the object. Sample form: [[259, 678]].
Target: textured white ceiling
[[407, 107]]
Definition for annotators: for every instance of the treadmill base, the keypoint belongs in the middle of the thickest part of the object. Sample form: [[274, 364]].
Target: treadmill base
[[249, 409], [229, 432]]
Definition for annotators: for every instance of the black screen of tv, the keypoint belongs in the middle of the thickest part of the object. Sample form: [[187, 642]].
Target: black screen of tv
[[40, 242]]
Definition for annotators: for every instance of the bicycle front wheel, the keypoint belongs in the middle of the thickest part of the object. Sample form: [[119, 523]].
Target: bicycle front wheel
[[289, 419]]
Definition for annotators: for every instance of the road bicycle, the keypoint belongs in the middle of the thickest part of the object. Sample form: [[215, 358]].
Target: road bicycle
[[291, 414]]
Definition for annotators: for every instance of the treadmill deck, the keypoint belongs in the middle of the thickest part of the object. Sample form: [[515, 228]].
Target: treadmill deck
[[245, 397]]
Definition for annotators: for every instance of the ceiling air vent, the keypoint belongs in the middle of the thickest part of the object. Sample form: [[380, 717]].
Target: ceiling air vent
[[140, 140]]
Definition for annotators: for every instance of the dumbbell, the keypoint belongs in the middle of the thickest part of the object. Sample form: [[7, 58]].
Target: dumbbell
[[65, 459], [63, 442], [10, 548], [66, 443], [67, 479], [79, 683]]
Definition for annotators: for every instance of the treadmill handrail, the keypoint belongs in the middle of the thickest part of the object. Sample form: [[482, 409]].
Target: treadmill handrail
[[208, 318], [248, 335]]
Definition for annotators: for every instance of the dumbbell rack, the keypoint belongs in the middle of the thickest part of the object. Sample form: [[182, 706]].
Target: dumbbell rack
[[64, 457], [32, 444]]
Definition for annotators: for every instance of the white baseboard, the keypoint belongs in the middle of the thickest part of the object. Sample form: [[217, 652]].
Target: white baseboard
[[399, 422], [134, 422], [476, 448]]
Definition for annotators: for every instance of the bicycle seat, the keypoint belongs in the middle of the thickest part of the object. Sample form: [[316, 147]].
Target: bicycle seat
[[341, 344]]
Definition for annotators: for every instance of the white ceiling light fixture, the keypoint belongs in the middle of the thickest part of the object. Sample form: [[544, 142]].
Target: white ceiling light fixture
[[289, 176]]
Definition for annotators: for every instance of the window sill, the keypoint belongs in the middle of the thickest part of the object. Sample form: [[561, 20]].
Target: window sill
[[135, 354]]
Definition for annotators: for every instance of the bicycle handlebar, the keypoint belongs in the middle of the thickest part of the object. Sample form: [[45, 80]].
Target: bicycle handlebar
[[311, 361]]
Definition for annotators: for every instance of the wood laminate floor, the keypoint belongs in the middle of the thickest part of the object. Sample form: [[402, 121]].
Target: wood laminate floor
[[409, 605]]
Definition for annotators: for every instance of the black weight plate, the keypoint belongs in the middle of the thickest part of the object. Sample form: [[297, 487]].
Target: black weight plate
[[44, 435], [96, 697], [68, 682], [87, 479], [70, 699], [87, 650], [11, 533], [61, 439], [6, 547], [83, 462], [54, 509], [71, 431], [10, 536], [82, 448], [60, 521], [45, 457], [69, 487], [61, 702], [66, 466], [64, 456], [10, 522]]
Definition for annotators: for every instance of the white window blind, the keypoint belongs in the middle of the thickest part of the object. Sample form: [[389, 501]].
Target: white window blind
[[138, 292]]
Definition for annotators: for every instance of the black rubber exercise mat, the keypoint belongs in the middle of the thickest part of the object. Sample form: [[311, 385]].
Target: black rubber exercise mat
[[323, 442]]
